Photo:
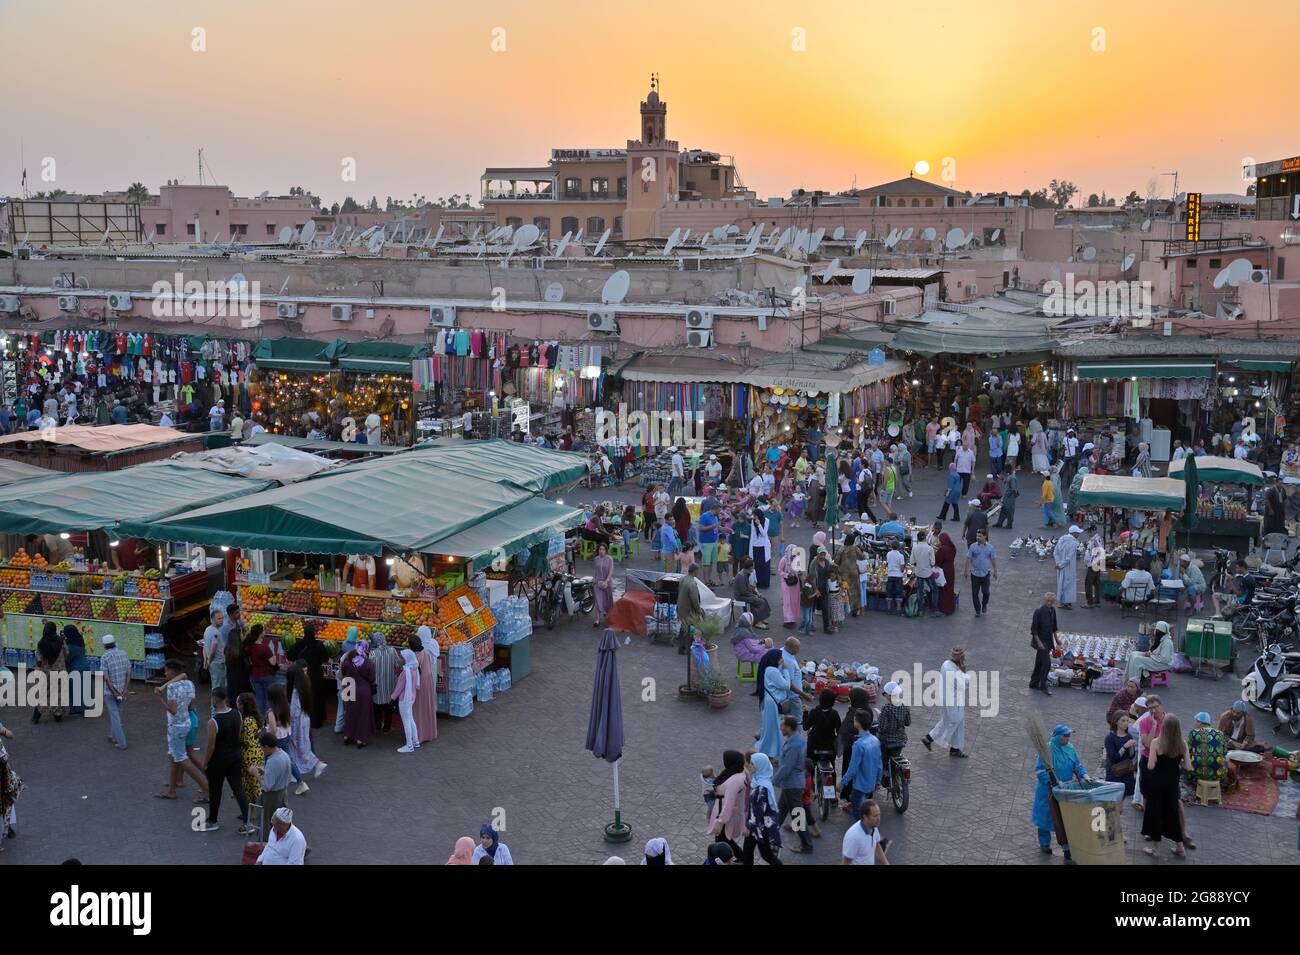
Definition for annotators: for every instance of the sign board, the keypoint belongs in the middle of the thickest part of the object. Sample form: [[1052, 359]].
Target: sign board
[[1275, 167], [578, 155], [555, 546], [9, 381], [425, 411], [1193, 217]]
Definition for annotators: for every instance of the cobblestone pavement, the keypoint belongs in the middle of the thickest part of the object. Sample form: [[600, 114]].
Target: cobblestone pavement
[[523, 753]]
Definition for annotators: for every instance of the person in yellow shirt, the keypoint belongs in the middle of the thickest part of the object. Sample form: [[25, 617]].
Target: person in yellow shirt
[[1048, 500]]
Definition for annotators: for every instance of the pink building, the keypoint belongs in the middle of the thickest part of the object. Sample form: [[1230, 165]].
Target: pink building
[[207, 213]]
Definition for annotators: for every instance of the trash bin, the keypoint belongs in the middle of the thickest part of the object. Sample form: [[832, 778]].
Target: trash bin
[[1090, 811]]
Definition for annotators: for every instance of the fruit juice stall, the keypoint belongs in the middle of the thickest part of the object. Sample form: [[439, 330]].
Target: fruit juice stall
[[1223, 520], [1101, 494], [429, 519], [77, 515]]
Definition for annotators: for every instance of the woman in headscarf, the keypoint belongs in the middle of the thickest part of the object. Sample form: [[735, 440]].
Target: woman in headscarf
[[1072, 495], [463, 854], [1058, 505], [426, 652], [408, 684], [603, 586], [775, 686], [11, 787], [1124, 699], [298, 689], [1142, 466], [791, 571], [657, 852], [51, 658], [359, 711], [490, 844], [1066, 766], [760, 547], [78, 666], [847, 562], [250, 745], [762, 819], [951, 494], [681, 519], [748, 647], [848, 732], [1038, 447], [731, 789], [945, 558]]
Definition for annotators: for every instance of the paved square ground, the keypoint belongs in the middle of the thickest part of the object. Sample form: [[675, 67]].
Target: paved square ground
[[523, 753]]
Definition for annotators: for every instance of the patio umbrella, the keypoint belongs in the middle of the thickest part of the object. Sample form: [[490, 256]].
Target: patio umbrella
[[605, 725], [832, 515], [1193, 493]]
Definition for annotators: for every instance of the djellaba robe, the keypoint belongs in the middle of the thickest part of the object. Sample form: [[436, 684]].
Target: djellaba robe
[[426, 697], [358, 712], [776, 686], [950, 731], [945, 557], [1067, 580], [1046, 817], [789, 592]]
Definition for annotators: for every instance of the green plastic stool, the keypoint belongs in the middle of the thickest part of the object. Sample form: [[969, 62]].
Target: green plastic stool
[[616, 550], [746, 672], [587, 548]]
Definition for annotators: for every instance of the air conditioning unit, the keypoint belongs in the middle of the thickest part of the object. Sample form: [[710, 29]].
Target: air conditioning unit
[[119, 301], [8, 303], [701, 338], [286, 309], [1259, 276], [443, 316], [67, 303], [341, 313], [888, 305], [602, 320], [699, 318]]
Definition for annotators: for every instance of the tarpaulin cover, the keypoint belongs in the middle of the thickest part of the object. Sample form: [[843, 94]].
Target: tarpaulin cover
[[390, 358], [1143, 494], [527, 466], [321, 446], [109, 437], [95, 500], [507, 534], [292, 354], [14, 471], [269, 462], [1221, 470]]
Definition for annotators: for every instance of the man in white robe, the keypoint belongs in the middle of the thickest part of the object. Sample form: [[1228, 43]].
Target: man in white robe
[[950, 731], [1066, 556]]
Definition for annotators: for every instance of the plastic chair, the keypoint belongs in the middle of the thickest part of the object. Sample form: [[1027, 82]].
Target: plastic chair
[[746, 671], [1134, 600], [587, 548], [633, 543], [1207, 790], [616, 549], [1159, 678], [639, 522]]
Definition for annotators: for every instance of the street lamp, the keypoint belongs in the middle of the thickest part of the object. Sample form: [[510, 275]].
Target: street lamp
[[744, 349]]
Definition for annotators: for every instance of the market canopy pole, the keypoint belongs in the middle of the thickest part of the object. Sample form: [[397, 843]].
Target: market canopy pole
[[605, 725]]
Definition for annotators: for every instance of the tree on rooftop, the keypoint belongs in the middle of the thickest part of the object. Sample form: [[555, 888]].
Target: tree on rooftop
[[1062, 191], [1132, 199], [373, 204], [1093, 201], [137, 192], [349, 205], [52, 194], [334, 209]]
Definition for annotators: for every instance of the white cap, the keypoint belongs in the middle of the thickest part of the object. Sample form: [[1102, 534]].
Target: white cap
[[1162, 626], [974, 502], [1076, 529]]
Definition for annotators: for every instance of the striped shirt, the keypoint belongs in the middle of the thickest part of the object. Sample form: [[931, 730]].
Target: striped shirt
[[116, 668]]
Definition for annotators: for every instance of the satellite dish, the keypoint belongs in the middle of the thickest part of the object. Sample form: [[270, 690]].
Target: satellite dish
[[1146, 225], [577, 238], [830, 271], [265, 194], [507, 231], [732, 230], [891, 240], [994, 236], [376, 243], [929, 234], [436, 238], [525, 236], [308, 232], [286, 235], [858, 240], [673, 239], [954, 239], [477, 230], [775, 237], [1069, 258], [1089, 253], [685, 235], [719, 233], [1237, 271], [238, 282], [1128, 262], [554, 292], [752, 245], [972, 200], [862, 281], [784, 239], [616, 287], [563, 243], [149, 241], [907, 235], [816, 239], [838, 234], [600, 243]]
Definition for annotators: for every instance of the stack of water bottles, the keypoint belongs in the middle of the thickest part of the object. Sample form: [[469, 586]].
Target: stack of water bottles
[[513, 621], [484, 685], [501, 678], [461, 682]]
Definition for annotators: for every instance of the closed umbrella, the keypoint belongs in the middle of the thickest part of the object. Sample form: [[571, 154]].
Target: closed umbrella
[[1193, 483], [832, 496], [605, 725]]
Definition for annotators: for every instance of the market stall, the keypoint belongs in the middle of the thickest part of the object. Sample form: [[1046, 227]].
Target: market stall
[[84, 587], [1224, 519], [1101, 495]]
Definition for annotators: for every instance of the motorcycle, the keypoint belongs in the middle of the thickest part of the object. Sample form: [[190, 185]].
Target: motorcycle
[[898, 775], [1273, 684], [564, 593]]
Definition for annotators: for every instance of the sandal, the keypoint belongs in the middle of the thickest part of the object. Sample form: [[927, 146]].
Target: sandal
[[1189, 844], [1151, 852], [163, 795], [1178, 852]]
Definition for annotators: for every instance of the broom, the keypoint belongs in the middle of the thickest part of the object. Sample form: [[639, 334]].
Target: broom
[[1039, 738]]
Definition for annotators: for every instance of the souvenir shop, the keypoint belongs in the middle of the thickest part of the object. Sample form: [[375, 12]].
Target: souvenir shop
[[1175, 397]]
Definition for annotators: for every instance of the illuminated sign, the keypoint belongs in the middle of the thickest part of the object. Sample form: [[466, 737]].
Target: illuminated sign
[[1277, 166], [1193, 216], [577, 155]]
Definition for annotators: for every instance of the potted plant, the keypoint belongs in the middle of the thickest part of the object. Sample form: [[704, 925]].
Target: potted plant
[[717, 689], [709, 629]]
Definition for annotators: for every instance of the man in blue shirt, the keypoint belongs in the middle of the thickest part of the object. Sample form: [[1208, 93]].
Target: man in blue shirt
[[789, 782], [33, 417], [6, 417], [119, 412], [708, 531], [981, 561], [865, 765]]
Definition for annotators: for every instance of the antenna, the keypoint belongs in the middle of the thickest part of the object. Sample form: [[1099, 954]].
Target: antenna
[[554, 292], [616, 287]]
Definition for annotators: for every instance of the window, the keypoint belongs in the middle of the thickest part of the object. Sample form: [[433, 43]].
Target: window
[[241, 229], [690, 186], [514, 222], [270, 228], [1191, 263], [713, 174], [189, 228], [622, 187], [218, 212], [162, 228], [1216, 263], [599, 187], [916, 203], [1280, 271], [572, 187], [569, 224], [543, 224], [929, 203], [618, 225], [595, 225]]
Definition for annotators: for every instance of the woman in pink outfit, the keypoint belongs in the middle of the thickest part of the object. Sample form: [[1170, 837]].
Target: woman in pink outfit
[[426, 696]]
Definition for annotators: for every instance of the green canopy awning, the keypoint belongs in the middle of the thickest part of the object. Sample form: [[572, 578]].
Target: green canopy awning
[[1220, 470], [314, 446], [381, 358], [1143, 494], [1250, 364], [96, 500], [292, 354], [12, 472], [1143, 369], [510, 533], [535, 469], [403, 503]]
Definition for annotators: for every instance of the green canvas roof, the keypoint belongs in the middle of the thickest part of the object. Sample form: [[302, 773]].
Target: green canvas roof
[[96, 500], [292, 354], [389, 358], [1221, 470], [535, 469], [1143, 494], [404, 503], [516, 530], [322, 446], [1249, 364], [13, 471], [1138, 368]]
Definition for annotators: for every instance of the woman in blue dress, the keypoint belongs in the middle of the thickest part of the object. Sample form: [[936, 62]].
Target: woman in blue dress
[[776, 687], [78, 666], [1067, 766]]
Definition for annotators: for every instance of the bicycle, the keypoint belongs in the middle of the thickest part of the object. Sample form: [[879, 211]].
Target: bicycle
[[824, 779]]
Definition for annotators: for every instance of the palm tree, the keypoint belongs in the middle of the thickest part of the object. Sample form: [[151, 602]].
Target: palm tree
[[138, 192]]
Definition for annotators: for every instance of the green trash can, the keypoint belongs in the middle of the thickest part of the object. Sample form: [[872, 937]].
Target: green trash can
[[1090, 811]]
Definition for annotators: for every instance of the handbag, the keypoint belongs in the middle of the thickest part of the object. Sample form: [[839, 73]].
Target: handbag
[[1123, 768], [791, 579]]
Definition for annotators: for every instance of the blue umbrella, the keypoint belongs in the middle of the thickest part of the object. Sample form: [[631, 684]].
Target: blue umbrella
[[605, 725]]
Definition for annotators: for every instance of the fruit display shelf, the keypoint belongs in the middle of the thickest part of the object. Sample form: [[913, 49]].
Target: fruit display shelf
[[137, 610], [62, 578]]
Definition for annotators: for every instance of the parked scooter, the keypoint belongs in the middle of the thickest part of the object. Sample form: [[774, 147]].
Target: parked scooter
[[1273, 684]]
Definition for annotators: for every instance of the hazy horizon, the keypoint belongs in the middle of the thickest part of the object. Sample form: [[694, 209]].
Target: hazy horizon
[[418, 96]]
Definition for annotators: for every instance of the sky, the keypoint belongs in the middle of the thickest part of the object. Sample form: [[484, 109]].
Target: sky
[[422, 95]]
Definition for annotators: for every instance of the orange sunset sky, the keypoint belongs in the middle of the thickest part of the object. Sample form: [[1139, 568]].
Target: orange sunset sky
[[414, 91]]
